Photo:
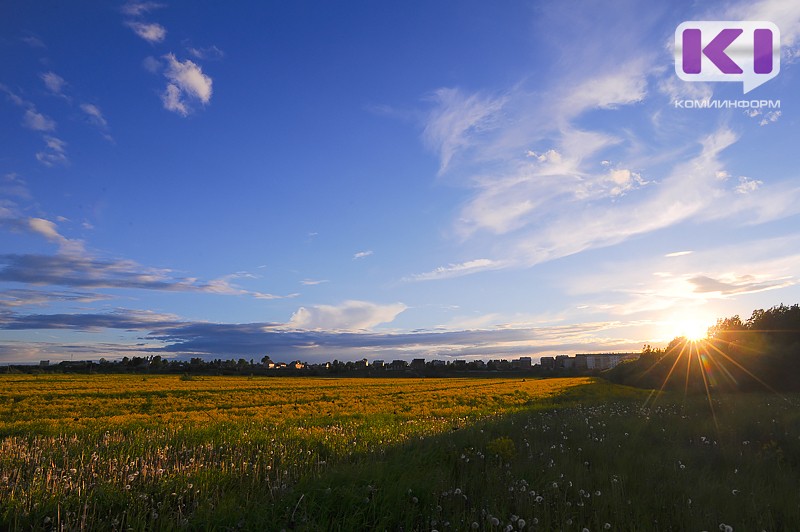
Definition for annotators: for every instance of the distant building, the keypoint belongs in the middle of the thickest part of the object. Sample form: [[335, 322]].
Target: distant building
[[438, 363], [398, 364], [547, 363], [418, 363], [44, 363], [564, 362], [601, 361], [522, 363], [377, 363]]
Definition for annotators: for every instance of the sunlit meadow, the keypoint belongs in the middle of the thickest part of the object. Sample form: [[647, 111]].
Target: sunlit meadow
[[164, 453]]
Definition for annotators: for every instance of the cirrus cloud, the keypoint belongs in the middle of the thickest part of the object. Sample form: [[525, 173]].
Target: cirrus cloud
[[186, 83]]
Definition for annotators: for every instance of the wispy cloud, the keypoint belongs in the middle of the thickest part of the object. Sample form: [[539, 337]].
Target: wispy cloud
[[456, 119], [313, 282], [37, 121], [49, 230], [457, 270], [55, 152], [95, 115], [19, 297], [186, 83], [362, 254], [685, 280], [54, 83], [208, 52], [149, 31], [84, 271], [135, 9], [33, 41]]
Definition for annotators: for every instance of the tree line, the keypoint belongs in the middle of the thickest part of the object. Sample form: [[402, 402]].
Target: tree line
[[759, 353]]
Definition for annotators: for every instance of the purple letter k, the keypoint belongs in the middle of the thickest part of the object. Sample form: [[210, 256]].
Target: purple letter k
[[715, 51]]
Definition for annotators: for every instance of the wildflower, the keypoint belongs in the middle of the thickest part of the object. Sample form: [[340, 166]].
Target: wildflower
[[535, 520], [494, 521], [597, 493], [607, 526], [414, 500], [735, 492], [521, 524], [725, 528], [475, 526], [539, 498]]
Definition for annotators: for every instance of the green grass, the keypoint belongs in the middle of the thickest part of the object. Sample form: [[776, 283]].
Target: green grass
[[589, 456]]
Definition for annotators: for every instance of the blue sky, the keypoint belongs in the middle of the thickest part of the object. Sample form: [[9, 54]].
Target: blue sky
[[383, 180]]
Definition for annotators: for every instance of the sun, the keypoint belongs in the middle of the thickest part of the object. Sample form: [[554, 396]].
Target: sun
[[690, 328]]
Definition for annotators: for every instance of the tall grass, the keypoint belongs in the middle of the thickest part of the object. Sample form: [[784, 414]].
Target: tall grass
[[320, 454]]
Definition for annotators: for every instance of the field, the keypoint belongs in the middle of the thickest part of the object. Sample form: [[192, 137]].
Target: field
[[130, 452]]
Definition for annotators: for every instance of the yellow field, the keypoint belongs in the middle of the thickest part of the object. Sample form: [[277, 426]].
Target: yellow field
[[74, 402]]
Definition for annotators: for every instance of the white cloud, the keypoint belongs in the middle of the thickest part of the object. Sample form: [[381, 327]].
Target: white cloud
[[55, 153], [313, 282], [37, 121], [622, 86], [172, 100], [33, 41], [362, 254], [49, 230], [688, 191], [785, 14], [747, 185], [186, 82], [457, 270], [135, 9], [53, 82], [209, 52], [149, 31], [769, 118], [350, 315], [678, 254], [151, 64], [95, 115], [456, 119]]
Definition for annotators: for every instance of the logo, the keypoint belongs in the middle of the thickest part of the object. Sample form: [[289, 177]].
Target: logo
[[746, 51]]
